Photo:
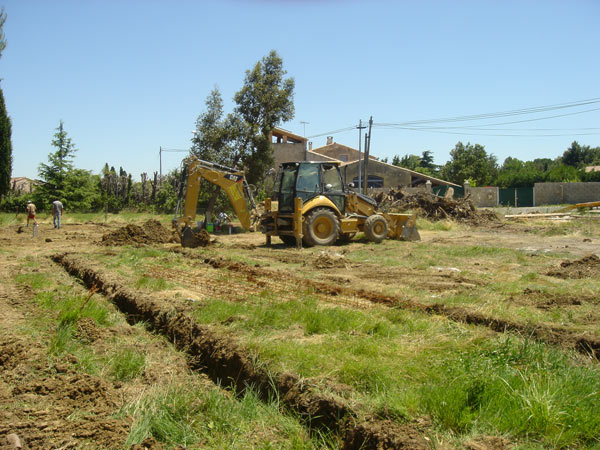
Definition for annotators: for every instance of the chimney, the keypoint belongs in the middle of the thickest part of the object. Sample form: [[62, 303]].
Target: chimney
[[310, 145], [329, 140]]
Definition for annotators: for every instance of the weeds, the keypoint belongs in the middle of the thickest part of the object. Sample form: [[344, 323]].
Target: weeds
[[192, 417], [126, 364]]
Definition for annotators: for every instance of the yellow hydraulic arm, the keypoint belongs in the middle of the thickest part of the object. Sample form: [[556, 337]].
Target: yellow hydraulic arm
[[233, 182]]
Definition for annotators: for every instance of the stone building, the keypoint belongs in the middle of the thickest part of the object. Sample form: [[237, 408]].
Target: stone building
[[22, 185], [291, 147]]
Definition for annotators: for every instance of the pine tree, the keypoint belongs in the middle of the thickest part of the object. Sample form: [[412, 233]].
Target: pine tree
[[5, 149], [60, 164]]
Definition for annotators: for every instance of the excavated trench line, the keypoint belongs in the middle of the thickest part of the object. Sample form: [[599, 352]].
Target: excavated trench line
[[548, 335], [230, 366]]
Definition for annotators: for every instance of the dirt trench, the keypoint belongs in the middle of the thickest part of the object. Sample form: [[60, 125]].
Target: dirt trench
[[549, 335], [231, 366]]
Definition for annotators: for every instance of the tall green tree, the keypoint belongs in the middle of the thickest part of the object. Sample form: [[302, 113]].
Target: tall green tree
[[242, 138], [212, 141], [470, 162], [211, 137], [60, 164], [427, 160], [5, 127], [580, 156], [264, 102], [5, 148], [410, 162]]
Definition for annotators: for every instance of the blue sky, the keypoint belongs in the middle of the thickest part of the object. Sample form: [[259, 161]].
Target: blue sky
[[130, 76]]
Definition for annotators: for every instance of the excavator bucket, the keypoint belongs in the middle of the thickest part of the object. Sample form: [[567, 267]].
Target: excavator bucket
[[193, 239], [402, 226]]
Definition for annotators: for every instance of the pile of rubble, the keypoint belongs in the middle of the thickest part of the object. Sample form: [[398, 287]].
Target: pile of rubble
[[433, 207]]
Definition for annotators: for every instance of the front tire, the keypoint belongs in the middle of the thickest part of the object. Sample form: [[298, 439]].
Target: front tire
[[320, 227], [376, 228]]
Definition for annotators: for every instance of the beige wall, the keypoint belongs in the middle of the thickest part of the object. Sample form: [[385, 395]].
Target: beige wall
[[341, 152], [286, 153], [392, 176]]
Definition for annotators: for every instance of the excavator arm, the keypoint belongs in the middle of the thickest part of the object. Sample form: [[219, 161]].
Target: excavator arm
[[232, 182]]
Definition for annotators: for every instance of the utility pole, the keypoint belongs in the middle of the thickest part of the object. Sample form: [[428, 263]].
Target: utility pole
[[305, 142], [160, 159], [360, 128], [367, 150]]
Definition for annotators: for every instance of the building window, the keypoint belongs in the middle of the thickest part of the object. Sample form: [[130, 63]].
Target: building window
[[343, 157]]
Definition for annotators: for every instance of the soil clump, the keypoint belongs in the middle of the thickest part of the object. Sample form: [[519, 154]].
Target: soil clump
[[433, 207], [326, 260], [586, 267], [151, 232]]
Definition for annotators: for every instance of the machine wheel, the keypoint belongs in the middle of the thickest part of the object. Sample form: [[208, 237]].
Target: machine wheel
[[376, 228], [320, 227], [288, 240]]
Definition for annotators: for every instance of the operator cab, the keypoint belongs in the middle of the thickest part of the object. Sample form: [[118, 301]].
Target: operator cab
[[308, 180]]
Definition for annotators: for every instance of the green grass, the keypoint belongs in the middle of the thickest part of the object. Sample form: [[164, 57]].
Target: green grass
[[126, 364], [517, 388], [409, 366], [152, 284], [194, 417]]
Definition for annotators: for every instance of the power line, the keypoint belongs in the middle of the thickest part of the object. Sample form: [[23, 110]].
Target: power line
[[415, 125], [514, 112]]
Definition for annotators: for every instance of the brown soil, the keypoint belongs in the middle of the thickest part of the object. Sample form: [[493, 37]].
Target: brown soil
[[53, 393], [586, 267], [151, 232], [434, 207], [326, 260]]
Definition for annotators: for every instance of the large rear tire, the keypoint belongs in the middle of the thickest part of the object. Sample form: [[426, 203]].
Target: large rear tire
[[320, 227], [376, 228]]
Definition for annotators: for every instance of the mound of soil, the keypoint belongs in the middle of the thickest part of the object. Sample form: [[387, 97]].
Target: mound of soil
[[586, 267], [151, 232], [326, 260], [433, 207]]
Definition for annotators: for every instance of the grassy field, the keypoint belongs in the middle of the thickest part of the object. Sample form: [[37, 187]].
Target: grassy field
[[411, 359]]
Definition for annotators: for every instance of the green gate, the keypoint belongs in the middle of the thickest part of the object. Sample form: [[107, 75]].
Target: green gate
[[516, 196]]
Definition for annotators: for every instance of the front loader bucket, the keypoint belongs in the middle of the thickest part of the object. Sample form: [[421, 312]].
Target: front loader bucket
[[403, 226]]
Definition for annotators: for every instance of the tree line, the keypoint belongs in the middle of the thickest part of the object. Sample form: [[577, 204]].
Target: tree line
[[472, 162]]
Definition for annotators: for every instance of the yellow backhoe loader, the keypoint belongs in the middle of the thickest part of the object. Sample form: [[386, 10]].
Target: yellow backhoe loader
[[310, 205]]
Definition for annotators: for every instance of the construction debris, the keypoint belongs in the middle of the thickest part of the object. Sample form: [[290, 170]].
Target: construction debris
[[433, 207]]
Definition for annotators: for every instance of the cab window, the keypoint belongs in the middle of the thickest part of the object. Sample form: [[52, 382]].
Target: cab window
[[308, 178], [331, 176]]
